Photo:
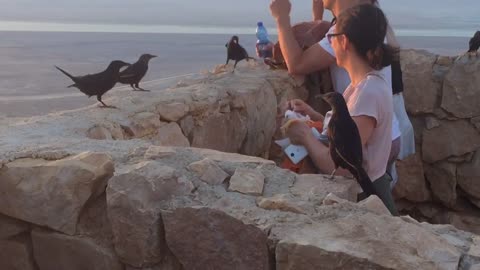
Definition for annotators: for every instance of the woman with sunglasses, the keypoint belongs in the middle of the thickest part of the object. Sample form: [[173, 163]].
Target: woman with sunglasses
[[358, 44]]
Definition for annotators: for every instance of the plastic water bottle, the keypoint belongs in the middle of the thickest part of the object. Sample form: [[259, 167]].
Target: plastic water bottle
[[264, 46]]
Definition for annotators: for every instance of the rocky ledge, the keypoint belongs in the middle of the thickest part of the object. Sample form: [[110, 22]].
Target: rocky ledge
[[133, 188]]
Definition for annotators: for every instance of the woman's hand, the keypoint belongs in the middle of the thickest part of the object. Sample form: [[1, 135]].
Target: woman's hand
[[298, 132], [280, 9], [298, 105]]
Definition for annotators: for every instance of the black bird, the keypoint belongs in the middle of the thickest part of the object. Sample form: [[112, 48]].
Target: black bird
[[474, 43], [99, 83], [236, 52], [135, 73], [345, 142]]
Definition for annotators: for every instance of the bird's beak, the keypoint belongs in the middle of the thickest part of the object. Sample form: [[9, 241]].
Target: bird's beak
[[153, 56]]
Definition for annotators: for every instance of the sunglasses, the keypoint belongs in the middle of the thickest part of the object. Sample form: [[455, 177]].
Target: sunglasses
[[330, 36]]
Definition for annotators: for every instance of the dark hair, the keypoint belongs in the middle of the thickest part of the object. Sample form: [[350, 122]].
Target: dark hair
[[366, 27]]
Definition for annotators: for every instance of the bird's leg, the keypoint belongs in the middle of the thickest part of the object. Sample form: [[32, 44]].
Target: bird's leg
[[234, 66], [226, 62], [330, 177], [141, 89], [99, 98], [133, 87]]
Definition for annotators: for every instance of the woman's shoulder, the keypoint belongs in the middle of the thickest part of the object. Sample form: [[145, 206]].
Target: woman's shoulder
[[376, 84]]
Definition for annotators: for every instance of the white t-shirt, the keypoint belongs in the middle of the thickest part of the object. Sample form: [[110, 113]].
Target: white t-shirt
[[341, 79], [373, 97]]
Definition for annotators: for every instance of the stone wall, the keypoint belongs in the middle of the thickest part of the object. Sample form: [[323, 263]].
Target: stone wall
[[94, 189], [441, 183], [188, 208]]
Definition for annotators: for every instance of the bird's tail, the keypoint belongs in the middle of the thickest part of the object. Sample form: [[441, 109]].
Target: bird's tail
[[66, 73], [364, 180]]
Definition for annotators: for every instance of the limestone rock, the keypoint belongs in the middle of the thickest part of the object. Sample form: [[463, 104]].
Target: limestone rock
[[332, 199], [317, 186], [247, 181], [208, 171], [172, 112], [462, 221], [16, 255], [106, 131], [468, 176], [55, 251], [209, 239], [412, 184], [284, 202], [170, 135], [460, 90], [375, 204], [144, 124], [10, 227], [443, 182], [231, 157], [159, 152], [431, 122], [421, 89], [134, 201], [61, 187], [451, 138], [358, 242]]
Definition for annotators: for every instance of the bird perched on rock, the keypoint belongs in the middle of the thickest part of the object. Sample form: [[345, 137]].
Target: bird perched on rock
[[135, 73], [474, 43], [345, 142], [99, 83], [236, 52]]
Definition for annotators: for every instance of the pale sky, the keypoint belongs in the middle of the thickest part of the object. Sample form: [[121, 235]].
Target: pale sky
[[424, 14]]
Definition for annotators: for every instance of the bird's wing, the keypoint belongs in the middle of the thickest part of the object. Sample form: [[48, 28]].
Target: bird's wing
[[348, 145], [128, 72]]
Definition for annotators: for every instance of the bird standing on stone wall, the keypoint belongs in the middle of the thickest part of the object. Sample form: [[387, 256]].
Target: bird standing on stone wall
[[345, 142], [474, 43], [98, 84], [135, 73], [236, 52]]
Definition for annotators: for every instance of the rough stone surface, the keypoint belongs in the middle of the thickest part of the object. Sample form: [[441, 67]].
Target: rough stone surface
[[443, 182], [460, 89], [106, 131], [346, 243], [10, 227], [209, 171], [134, 200], [209, 239], [170, 135], [172, 112], [159, 152], [317, 187], [412, 184], [375, 204], [54, 251], [61, 187], [421, 90], [468, 176], [16, 255], [144, 124], [451, 138], [284, 202], [247, 181]]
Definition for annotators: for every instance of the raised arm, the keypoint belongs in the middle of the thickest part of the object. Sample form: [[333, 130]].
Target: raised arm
[[299, 62]]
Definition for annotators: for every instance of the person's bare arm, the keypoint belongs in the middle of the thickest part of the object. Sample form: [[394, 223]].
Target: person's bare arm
[[298, 62], [301, 62], [317, 8]]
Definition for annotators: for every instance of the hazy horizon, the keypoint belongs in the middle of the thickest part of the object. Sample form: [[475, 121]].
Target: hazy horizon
[[409, 17]]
